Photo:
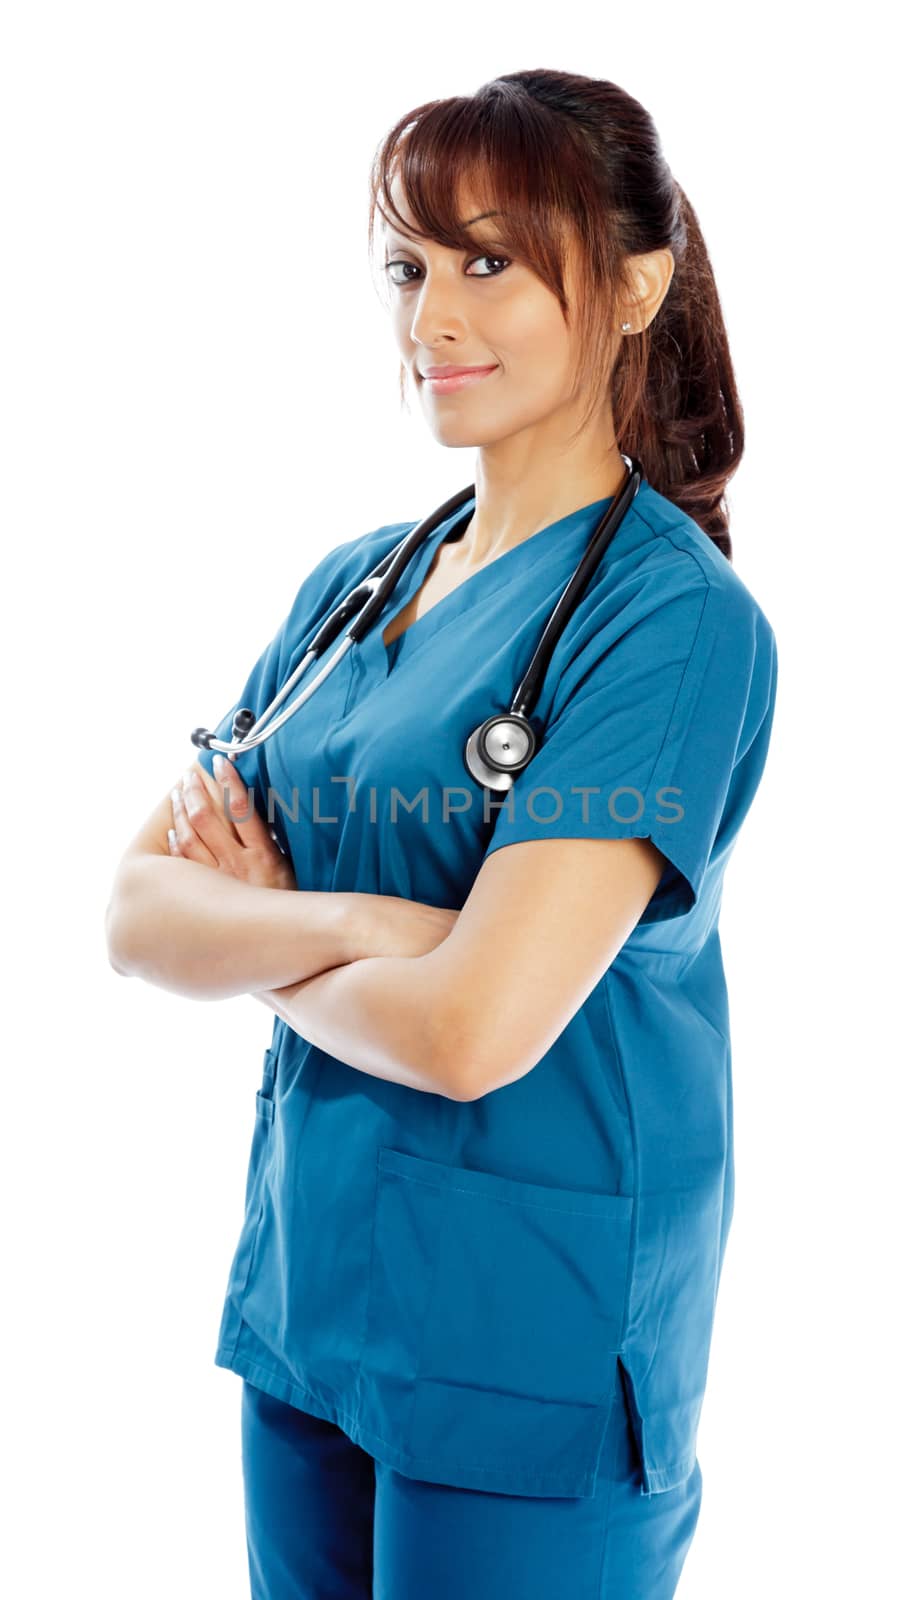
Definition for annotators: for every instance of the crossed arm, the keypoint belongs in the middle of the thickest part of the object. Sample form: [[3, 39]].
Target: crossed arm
[[456, 1004]]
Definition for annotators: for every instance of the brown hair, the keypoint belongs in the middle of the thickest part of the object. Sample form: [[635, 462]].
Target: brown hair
[[555, 151]]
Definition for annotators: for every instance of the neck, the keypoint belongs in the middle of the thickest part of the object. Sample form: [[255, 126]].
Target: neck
[[523, 485]]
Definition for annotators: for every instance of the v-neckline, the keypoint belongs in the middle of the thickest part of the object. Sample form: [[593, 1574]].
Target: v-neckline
[[486, 579], [445, 533]]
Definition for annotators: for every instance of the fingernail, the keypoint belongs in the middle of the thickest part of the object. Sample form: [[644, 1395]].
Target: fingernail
[[220, 767]]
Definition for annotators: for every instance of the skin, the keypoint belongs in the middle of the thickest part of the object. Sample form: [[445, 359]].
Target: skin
[[447, 306], [486, 991]]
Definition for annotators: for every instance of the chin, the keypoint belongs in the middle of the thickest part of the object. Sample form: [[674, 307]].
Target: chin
[[459, 438]]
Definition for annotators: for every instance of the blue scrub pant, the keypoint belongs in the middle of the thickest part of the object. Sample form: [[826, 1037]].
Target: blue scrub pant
[[324, 1519]]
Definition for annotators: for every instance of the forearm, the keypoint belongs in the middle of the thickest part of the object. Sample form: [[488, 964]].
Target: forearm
[[208, 935], [381, 1015]]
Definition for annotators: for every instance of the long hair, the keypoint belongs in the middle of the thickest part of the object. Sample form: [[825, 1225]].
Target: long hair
[[565, 156]]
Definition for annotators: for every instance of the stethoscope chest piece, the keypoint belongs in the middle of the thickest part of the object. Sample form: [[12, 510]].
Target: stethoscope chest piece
[[500, 749]]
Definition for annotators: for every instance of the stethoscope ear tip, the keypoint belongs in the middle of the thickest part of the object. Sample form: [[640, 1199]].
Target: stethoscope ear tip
[[500, 748], [242, 722]]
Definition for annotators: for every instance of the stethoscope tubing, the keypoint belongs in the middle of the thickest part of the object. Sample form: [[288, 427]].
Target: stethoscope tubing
[[371, 595], [528, 691], [501, 746]]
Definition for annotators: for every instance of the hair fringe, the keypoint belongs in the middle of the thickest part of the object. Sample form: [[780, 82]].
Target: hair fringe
[[561, 154]]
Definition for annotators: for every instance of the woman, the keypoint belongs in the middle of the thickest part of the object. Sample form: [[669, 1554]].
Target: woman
[[491, 1176]]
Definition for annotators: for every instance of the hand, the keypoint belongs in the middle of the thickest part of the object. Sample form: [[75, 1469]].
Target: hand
[[388, 925], [241, 844]]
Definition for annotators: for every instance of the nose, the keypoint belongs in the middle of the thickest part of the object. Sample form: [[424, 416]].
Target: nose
[[437, 312]]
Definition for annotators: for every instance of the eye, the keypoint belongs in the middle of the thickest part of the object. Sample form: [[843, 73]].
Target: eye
[[388, 265], [504, 263], [402, 280]]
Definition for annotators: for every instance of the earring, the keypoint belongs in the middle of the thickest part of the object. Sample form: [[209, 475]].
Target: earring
[[625, 326]]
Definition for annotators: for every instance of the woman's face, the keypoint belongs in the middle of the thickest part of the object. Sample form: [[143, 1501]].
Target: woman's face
[[462, 309]]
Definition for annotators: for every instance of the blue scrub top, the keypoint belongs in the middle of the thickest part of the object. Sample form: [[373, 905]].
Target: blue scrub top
[[453, 1283]]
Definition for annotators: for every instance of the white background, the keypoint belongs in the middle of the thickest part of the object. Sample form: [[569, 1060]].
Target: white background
[[199, 399]]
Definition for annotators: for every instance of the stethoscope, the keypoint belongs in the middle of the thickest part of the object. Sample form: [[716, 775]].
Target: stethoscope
[[500, 748]]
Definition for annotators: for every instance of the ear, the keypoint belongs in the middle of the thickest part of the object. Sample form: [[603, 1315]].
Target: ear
[[649, 277]]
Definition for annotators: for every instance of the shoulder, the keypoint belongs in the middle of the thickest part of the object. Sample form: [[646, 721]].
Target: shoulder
[[715, 624], [327, 583], [666, 619], [362, 553], [663, 580], [343, 566], [678, 557]]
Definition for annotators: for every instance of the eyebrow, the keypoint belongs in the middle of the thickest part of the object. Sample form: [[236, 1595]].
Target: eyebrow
[[479, 218]]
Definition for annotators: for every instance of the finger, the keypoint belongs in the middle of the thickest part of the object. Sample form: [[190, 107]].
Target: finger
[[190, 843], [252, 830], [173, 843], [214, 791], [205, 809]]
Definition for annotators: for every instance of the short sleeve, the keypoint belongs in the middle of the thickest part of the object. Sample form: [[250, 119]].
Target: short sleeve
[[318, 594], [659, 731], [258, 691]]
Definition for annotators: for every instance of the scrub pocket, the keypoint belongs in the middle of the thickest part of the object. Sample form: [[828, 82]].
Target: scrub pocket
[[253, 1208], [241, 1265], [495, 1316], [265, 1111]]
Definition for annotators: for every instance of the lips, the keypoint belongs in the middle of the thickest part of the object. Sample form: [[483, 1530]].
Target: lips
[[449, 380], [454, 372]]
